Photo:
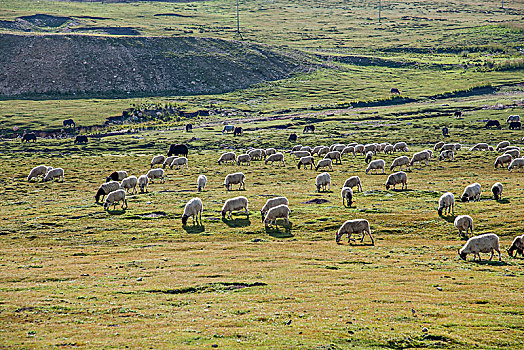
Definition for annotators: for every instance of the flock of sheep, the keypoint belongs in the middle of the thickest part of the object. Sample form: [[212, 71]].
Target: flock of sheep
[[119, 183]]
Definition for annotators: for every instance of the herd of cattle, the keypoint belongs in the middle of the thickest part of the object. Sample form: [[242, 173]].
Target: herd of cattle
[[118, 183]]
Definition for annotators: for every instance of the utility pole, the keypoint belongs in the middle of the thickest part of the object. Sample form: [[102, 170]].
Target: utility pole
[[238, 24], [380, 9], [502, 4]]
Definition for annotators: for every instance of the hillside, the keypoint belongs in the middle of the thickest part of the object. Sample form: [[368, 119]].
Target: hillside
[[95, 65]]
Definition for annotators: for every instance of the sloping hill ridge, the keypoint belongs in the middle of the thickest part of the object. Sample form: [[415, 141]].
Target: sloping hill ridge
[[99, 65]]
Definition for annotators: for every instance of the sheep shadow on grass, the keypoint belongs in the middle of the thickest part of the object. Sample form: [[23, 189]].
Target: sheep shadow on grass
[[503, 201], [238, 222], [448, 218], [276, 232], [116, 211], [192, 229], [492, 262]]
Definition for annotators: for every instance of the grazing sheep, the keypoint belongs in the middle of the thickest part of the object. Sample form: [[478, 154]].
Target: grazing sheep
[[324, 163], [332, 147], [446, 203], [193, 208], [516, 163], [270, 151], [323, 151], [400, 146], [179, 162], [447, 154], [168, 161], [300, 154], [277, 157], [355, 226], [515, 153], [438, 146], [394, 179], [117, 176], [370, 147], [369, 157], [55, 173], [334, 155], [201, 183], [234, 179], [430, 153], [352, 182], [471, 192], [375, 165], [279, 212], [517, 245], [388, 149], [347, 196], [157, 173], [309, 160], [420, 157], [114, 197], [503, 159], [352, 144], [296, 148], [322, 181], [399, 162], [464, 223], [271, 203], [105, 189], [448, 146], [244, 158], [143, 181], [159, 159], [40, 170], [359, 149], [338, 147], [256, 154], [486, 243], [482, 146], [348, 150], [227, 157], [508, 148], [382, 146], [305, 149], [129, 183], [496, 189], [316, 149], [502, 144], [235, 204]]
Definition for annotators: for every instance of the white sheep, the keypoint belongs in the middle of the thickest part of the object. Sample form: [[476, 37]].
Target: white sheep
[[496, 189], [388, 149], [376, 165], [486, 243], [193, 208], [55, 173], [117, 176], [271, 203], [446, 203], [334, 155], [168, 161], [234, 179], [114, 197], [400, 146], [143, 182], [515, 153], [382, 146], [305, 161], [105, 189], [159, 159], [323, 151], [279, 212], [227, 157], [179, 162], [347, 196], [157, 173], [370, 147], [129, 183], [399, 162], [322, 181], [447, 154], [359, 149], [438, 146], [471, 192], [464, 223], [502, 144], [270, 151], [517, 245], [296, 148], [355, 226], [40, 170], [300, 154], [256, 154], [369, 157], [277, 157], [420, 157], [324, 163], [448, 146], [394, 179], [235, 204], [305, 149], [516, 163], [482, 146], [503, 159], [244, 158], [352, 182], [339, 147], [348, 150], [201, 183], [316, 149]]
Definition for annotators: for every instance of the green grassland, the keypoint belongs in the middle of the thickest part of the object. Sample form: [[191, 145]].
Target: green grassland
[[138, 278]]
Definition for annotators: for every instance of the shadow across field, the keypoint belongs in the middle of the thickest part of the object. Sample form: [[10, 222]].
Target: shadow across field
[[276, 232], [194, 229], [237, 222]]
